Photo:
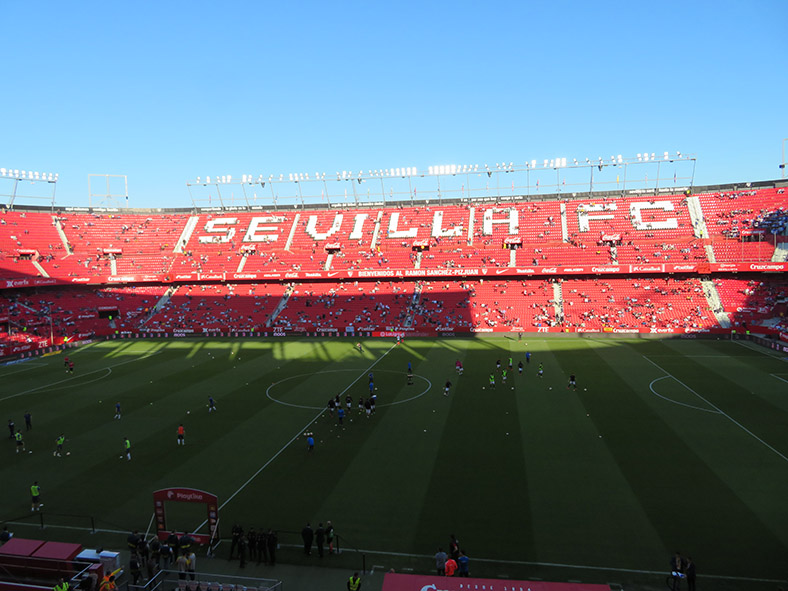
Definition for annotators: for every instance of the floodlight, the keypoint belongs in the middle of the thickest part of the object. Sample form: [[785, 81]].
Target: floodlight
[[2, 171], [563, 161], [620, 159], [666, 156], [533, 163], [678, 154], [415, 171]]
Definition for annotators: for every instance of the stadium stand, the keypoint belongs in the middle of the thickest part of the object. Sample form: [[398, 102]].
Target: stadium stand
[[626, 262]]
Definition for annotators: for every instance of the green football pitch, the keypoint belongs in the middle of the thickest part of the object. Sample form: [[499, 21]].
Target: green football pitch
[[665, 445]]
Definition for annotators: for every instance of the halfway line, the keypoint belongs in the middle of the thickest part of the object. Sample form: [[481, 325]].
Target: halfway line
[[296, 436]]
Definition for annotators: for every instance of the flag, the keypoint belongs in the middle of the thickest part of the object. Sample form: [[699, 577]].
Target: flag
[[674, 178], [616, 179]]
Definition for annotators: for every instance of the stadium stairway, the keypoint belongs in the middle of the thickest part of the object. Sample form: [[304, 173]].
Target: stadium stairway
[[280, 306], [39, 268], [62, 234], [558, 300], [183, 239], [715, 303], [161, 304], [417, 289], [780, 254]]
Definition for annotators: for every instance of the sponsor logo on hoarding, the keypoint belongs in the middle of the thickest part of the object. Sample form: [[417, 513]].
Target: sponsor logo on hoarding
[[605, 269], [17, 283]]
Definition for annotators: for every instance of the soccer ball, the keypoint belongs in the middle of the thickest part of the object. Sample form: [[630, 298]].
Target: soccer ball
[[551, 387], [188, 412], [483, 387]]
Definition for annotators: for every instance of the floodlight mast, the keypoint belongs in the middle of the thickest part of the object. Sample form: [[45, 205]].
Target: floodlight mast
[[107, 197], [15, 176], [463, 182]]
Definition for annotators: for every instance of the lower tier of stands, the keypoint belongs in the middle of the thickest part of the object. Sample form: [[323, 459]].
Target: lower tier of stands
[[36, 318]]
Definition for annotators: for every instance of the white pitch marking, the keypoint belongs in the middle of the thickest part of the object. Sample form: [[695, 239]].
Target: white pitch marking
[[651, 387], [80, 384], [296, 436], [727, 416], [268, 390], [37, 388], [774, 375]]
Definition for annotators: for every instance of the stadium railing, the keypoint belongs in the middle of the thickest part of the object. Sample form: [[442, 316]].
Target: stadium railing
[[198, 581]]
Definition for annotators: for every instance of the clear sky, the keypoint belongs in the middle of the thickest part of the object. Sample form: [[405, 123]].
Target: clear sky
[[165, 92]]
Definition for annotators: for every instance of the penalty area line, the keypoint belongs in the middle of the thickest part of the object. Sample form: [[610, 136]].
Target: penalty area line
[[109, 367]]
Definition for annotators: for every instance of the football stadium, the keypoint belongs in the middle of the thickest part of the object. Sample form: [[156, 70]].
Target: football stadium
[[574, 385], [393, 297]]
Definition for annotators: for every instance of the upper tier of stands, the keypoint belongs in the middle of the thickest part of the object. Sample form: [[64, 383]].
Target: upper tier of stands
[[622, 230]]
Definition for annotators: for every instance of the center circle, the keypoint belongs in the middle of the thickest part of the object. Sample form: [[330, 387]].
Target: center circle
[[275, 384]]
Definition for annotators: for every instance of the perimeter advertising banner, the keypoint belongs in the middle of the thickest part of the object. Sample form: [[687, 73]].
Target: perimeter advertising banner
[[398, 582], [186, 495], [408, 273]]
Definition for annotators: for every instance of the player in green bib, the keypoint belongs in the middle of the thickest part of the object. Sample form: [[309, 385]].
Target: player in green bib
[[59, 442], [35, 495]]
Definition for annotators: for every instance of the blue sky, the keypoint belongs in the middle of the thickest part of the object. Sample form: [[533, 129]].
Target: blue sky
[[167, 91]]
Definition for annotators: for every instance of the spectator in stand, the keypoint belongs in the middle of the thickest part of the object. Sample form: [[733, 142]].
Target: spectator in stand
[[440, 561], [451, 567], [463, 563]]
